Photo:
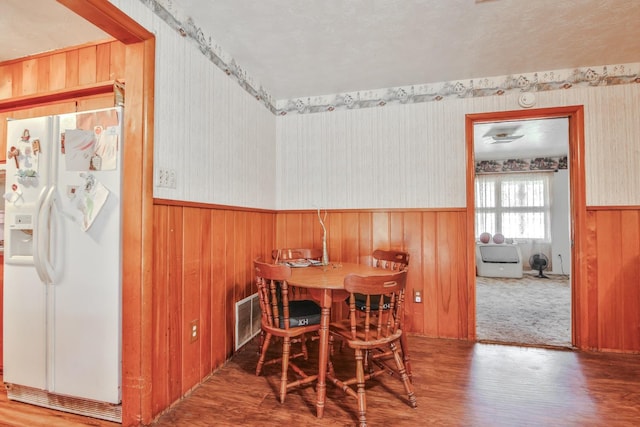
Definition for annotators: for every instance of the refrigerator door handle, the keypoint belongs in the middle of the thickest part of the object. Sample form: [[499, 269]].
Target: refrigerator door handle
[[37, 237], [42, 236], [52, 207]]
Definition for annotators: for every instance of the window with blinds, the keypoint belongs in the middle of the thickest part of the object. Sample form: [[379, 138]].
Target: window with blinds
[[515, 204]]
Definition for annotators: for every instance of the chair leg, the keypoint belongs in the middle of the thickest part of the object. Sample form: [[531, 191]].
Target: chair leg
[[305, 352], [330, 369], [403, 376], [286, 348], [362, 397], [261, 342], [405, 354], [263, 353]]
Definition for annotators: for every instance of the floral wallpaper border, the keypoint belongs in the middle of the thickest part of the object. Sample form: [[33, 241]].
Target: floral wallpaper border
[[606, 75], [537, 164]]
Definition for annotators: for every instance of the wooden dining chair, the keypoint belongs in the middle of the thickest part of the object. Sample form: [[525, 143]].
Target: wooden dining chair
[[395, 261], [391, 260], [377, 332], [285, 255], [288, 320], [293, 254]]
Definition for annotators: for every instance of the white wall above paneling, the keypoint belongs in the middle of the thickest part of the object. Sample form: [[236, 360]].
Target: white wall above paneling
[[217, 139], [373, 158], [414, 156], [612, 152]]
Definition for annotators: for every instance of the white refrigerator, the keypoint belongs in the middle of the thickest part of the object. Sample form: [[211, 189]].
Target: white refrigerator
[[62, 272]]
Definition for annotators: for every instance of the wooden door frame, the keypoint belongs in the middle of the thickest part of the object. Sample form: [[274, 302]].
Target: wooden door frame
[[575, 114], [137, 199]]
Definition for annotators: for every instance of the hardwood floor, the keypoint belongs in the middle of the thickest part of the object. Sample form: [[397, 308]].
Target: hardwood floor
[[457, 383]]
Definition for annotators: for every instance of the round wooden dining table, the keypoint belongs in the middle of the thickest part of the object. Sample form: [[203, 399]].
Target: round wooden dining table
[[325, 283]]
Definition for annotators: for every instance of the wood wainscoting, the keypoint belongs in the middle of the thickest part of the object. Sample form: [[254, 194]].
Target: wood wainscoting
[[434, 238], [202, 267], [610, 299]]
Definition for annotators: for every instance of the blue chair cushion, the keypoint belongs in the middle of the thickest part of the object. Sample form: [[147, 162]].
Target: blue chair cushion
[[302, 313]]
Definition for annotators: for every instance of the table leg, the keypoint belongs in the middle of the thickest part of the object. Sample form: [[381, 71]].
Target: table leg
[[323, 350]]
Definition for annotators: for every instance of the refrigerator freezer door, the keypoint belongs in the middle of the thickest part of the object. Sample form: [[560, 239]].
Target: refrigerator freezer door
[[25, 296]]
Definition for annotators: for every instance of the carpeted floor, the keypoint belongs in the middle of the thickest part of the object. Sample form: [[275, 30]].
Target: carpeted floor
[[530, 310]]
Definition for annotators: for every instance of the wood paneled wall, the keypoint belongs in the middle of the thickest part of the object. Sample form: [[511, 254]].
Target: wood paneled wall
[[435, 239], [610, 299], [202, 259], [201, 267], [62, 70]]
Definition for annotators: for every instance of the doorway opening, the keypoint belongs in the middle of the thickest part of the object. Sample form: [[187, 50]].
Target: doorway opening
[[522, 210], [517, 304]]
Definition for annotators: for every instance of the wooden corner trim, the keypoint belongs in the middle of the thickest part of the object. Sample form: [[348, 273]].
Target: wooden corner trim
[[28, 101], [109, 19]]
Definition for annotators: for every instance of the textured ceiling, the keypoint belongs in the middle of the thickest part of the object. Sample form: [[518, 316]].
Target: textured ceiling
[[317, 47], [28, 27]]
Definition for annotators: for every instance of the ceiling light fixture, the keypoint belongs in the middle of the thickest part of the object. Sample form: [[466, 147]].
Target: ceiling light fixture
[[503, 138]]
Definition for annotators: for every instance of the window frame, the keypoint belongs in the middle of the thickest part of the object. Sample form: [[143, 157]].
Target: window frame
[[496, 181]]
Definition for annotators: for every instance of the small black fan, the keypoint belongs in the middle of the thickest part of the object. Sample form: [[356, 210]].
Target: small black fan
[[539, 262]]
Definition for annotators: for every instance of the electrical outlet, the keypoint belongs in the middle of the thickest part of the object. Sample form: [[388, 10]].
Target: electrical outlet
[[417, 296], [166, 178], [194, 330]]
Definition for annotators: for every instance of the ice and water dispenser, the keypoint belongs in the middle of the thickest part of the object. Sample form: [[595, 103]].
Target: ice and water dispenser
[[18, 238], [19, 242]]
